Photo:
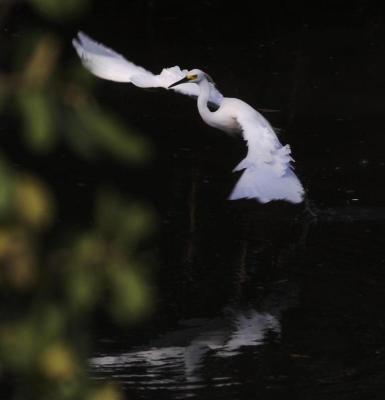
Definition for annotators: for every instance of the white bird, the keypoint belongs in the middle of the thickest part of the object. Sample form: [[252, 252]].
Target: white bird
[[267, 170]]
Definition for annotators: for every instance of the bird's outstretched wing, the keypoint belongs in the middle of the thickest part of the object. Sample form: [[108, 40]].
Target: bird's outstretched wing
[[268, 174], [107, 64]]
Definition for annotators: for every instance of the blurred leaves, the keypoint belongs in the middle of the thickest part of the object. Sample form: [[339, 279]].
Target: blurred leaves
[[106, 392], [5, 188], [53, 109], [130, 294], [38, 119], [56, 9], [126, 224], [24, 198], [111, 249], [42, 61], [26, 207], [17, 260], [23, 342], [110, 135], [33, 202], [51, 289], [57, 362], [34, 98], [18, 346]]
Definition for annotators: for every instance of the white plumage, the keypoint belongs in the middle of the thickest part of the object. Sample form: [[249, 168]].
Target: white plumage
[[267, 171], [107, 64]]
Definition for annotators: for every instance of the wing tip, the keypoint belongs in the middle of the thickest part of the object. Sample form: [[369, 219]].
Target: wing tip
[[76, 43], [79, 41], [83, 37]]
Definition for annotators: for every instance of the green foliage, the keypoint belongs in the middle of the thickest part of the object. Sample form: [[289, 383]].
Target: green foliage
[[126, 224], [5, 188], [129, 299], [24, 341], [38, 118], [90, 129], [111, 135], [56, 9], [50, 292], [50, 107]]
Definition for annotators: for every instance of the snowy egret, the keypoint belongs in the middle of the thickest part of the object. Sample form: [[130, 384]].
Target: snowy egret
[[267, 170]]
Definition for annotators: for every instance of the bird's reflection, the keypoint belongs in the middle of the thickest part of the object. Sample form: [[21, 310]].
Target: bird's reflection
[[179, 356]]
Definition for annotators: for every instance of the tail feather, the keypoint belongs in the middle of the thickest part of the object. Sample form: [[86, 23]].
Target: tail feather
[[262, 183]]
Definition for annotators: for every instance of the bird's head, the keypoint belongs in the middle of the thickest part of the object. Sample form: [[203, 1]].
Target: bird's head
[[193, 76]]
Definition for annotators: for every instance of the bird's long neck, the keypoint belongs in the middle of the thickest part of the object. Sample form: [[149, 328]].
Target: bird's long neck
[[203, 98]]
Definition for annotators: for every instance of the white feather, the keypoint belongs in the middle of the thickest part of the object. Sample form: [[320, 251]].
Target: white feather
[[268, 173], [108, 64]]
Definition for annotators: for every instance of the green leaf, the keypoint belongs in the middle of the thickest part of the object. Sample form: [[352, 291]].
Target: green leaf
[[83, 288], [18, 345], [126, 224], [5, 188], [55, 9], [135, 224], [78, 139], [38, 119], [131, 297], [112, 136], [21, 341], [33, 202]]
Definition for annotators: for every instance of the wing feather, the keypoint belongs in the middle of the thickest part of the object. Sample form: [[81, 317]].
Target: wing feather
[[108, 64], [268, 173], [262, 142], [104, 62]]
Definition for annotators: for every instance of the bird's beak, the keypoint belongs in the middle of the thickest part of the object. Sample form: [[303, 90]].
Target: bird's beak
[[183, 80]]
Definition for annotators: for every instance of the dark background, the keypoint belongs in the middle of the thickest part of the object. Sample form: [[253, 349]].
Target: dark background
[[321, 67]]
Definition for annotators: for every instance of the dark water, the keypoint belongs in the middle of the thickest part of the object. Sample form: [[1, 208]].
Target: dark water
[[284, 310], [262, 301], [254, 301]]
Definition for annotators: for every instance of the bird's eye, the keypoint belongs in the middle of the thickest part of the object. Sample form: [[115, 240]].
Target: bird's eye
[[191, 77]]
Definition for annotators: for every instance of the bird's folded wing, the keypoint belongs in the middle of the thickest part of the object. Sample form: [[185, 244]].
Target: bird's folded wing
[[107, 64], [263, 144]]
